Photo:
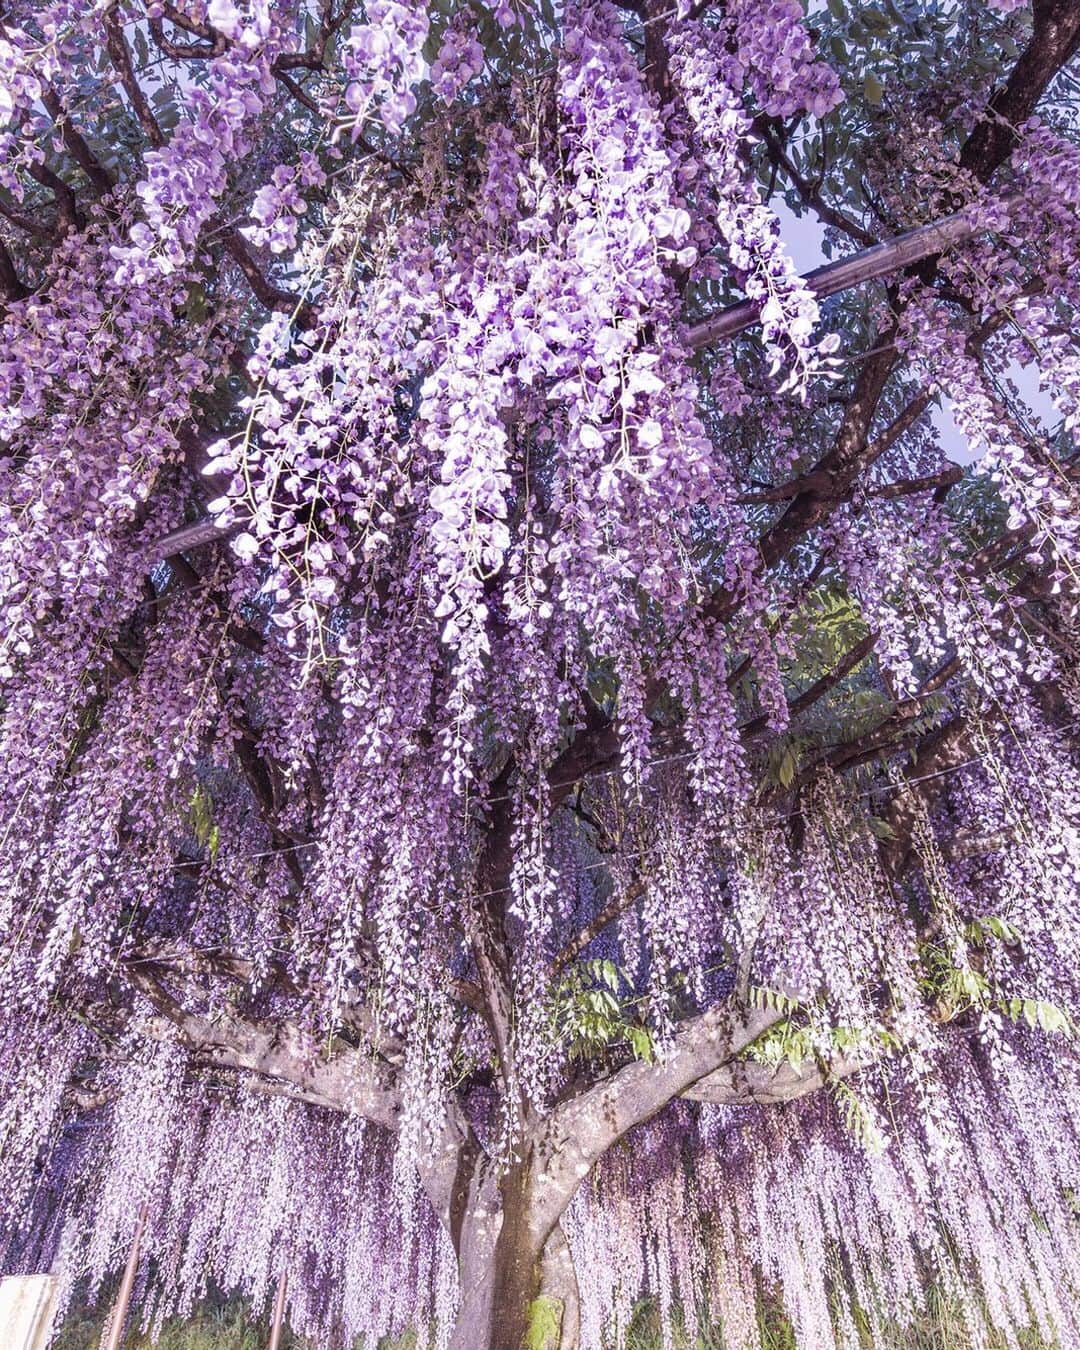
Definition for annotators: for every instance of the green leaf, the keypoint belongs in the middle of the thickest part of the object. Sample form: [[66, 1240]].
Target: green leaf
[[977, 930], [1051, 1018], [641, 1043], [195, 302], [873, 90], [878, 23], [201, 816], [860, 1119], [761, 996], [608, 972]]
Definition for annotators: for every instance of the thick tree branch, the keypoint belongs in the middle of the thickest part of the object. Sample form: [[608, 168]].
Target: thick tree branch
[[11, 287], [268, 295], [943, 749], [120, 55], [352, 1080], [279, 1057], [817, 691], [965, 844], [905, 487], [580, 1130], [68, 215], [619, 903], [891, 735], [490, 942], [215, 43], [744, 1081], [1054, 42], [99, 176]]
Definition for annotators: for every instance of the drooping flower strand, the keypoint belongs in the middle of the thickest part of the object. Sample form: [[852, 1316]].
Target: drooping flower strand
[[501, 648], [238, 1188], [747, 228], [1033, 486]]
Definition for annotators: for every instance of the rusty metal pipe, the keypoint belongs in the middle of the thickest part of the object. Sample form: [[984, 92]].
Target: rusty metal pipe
[[279, 1312], [123, 1298], [867, 265]]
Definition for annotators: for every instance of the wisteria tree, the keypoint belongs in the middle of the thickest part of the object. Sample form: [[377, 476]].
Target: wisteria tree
[[531, 777]]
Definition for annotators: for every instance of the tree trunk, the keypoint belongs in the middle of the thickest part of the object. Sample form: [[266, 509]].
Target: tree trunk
[[517, 1289]]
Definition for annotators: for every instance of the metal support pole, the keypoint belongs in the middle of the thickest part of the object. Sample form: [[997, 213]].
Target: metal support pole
[[123, 1298], [866, 265], [869, 263], [279, 1312]]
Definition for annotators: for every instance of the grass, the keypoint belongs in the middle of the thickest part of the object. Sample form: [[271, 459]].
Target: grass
[[940, 1327], [227, 1328]]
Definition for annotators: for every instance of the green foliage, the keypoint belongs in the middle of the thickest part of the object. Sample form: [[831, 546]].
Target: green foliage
[[801, 1036], [589, 1016], [797, 1042], [827, 625], [226, 1328], [861, 1122], [957, 989], [979, 932], [822, 633], [783, 1041], [785, 755], [201, 819], [939, 1325], [762, 997], [885, 51], [1038, 1013]]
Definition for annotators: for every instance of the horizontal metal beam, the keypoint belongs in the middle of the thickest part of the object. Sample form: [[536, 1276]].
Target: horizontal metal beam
[[869, 263], [199, 532]]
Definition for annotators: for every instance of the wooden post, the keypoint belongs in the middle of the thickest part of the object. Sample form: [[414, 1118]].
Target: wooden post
[[279, 1312], [123, 1298]]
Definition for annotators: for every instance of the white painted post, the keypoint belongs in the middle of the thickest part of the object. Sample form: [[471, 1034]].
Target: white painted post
[[27, 1308]]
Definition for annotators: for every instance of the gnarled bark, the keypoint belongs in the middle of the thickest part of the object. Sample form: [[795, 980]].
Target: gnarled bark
[[517, 1294], [518, 1282]]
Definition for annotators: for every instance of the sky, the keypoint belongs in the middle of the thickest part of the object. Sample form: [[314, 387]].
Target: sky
[[803, 236]]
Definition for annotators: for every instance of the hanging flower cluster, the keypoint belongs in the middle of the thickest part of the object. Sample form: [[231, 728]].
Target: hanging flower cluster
[[720, 131], [186, 177], [1036, 488], [495, 784], [382, 60]]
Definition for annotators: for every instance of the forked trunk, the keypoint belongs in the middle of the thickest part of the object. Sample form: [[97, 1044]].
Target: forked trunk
[[516, 1291]]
